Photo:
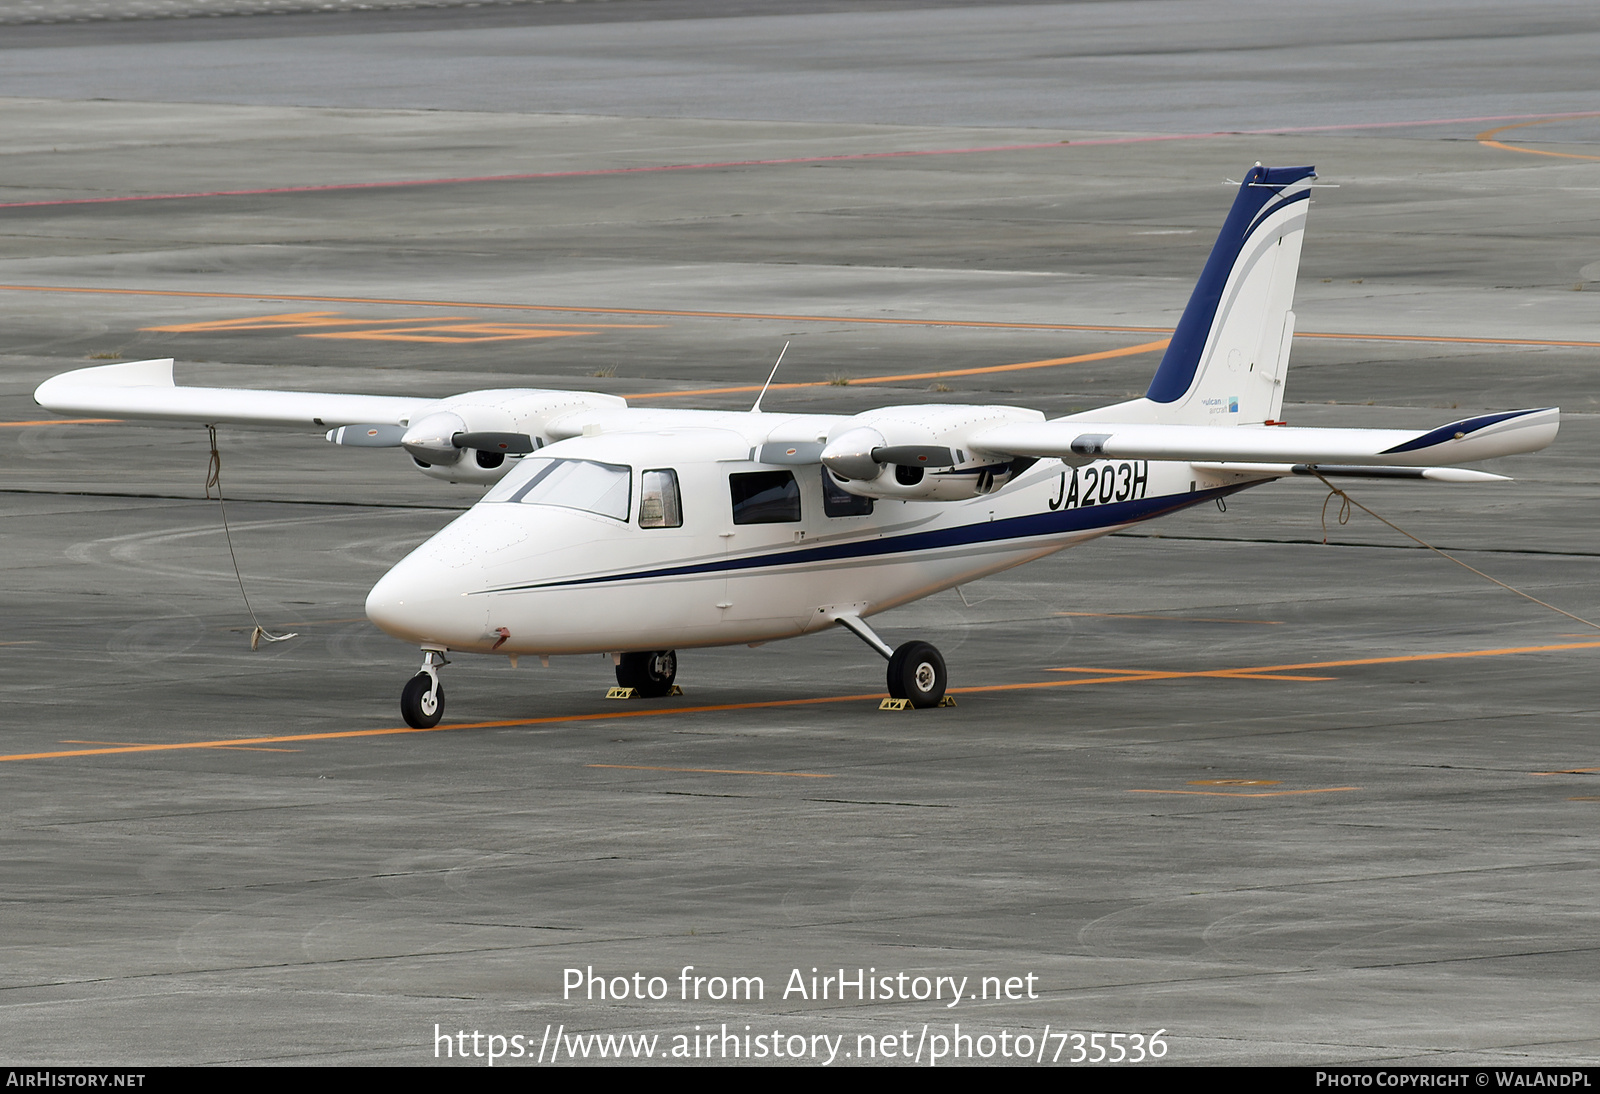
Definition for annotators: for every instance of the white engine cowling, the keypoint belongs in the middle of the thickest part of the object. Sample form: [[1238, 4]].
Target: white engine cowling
[[920, 452], [497, 420]]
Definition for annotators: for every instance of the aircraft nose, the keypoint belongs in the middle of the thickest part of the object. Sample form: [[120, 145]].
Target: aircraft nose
[[386, 606], [418, 602]]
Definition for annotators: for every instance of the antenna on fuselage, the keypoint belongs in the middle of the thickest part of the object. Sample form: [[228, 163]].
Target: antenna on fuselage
[[757, 408]]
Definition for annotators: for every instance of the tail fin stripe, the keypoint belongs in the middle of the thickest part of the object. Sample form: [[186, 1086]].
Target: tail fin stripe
[[1303, 195], [1260, 198]]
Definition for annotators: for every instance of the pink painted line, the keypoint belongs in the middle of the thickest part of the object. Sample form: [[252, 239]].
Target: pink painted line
[[537, 175], [326, 187]]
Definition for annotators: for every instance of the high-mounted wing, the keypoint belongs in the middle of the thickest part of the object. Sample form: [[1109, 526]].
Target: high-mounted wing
[[462, 438], [1077, 441], [145, 389]]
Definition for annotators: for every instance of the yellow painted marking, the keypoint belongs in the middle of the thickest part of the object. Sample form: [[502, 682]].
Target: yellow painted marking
[[1172, 618], [1486, 138], [1250, 794], [616, 713], [716, 771], [765, 316], [1235, 782], [64, 421]]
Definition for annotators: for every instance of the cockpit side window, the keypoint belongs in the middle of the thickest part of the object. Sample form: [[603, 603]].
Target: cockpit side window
[[660, 505], [764, 497], [837, 502], [603, 488]]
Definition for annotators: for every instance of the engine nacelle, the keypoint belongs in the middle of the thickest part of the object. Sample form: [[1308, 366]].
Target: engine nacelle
[[920, 452], [504, 425]]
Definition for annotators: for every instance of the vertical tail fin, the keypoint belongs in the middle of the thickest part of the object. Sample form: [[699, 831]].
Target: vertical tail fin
[[1227, 359]]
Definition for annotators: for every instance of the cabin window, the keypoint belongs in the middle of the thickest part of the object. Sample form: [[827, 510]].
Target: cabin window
[[603, 488], [765, 497], [659, 503], [838, 502]]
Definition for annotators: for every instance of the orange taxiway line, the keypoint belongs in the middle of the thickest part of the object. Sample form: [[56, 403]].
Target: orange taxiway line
[[715, 771], [1486, 138], [781, 161], [774, 316], [1507, 651], [63, 421], [1453, 340], [1173, 618], [1129, 676], [664, 312], [391, 731], [1249, 793], [1103, 355]]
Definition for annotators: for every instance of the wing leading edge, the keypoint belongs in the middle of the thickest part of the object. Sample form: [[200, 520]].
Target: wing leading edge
[[145, 389], [1471, 439]]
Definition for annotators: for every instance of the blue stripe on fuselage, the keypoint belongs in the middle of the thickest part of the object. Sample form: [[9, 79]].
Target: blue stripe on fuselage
[[1034, 525]]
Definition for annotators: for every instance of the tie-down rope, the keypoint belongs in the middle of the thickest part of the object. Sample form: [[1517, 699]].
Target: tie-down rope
[[214, 478], [1344, 518]]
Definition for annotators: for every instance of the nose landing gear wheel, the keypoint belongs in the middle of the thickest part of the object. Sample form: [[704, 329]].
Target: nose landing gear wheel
[[650, 674], [917, 673], [422, 702]]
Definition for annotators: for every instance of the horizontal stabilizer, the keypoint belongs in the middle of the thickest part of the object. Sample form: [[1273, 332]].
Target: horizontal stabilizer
[[1338, 471], [1480, 438]]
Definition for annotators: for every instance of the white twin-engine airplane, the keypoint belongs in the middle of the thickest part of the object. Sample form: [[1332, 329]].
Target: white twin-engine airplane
[[637, 532]]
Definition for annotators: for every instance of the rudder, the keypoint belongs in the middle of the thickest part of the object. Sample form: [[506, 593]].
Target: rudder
[[1228, 357]]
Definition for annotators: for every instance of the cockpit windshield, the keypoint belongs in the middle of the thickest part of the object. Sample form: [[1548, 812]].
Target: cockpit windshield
[[602, 488]]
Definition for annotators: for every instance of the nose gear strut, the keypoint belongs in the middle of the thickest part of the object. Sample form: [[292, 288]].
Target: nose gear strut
[[422, 699]]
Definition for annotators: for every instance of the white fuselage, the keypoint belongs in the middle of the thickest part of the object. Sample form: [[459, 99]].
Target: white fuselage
[[527, 577]]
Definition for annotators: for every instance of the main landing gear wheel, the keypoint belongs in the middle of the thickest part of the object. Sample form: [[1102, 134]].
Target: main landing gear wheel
[[916, 672], [422, 702], [649, 674]]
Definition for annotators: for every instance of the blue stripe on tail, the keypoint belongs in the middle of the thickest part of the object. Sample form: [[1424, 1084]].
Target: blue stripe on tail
[[1260, 191]]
